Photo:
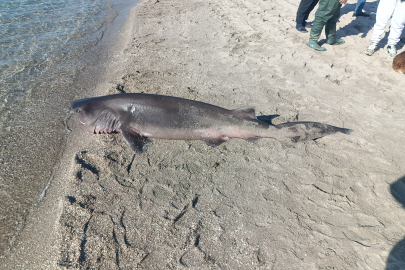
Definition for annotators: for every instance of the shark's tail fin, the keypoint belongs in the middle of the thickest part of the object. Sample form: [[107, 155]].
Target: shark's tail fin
[[294, 132]]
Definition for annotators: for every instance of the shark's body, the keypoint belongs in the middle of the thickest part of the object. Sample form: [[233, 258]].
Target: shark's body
[[139, 117]]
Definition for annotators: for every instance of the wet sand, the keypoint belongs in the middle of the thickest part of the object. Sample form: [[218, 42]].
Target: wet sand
[[334, 203]]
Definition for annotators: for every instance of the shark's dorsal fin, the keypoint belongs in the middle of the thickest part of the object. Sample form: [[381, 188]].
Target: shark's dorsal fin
[[245, 113], [136, 141]]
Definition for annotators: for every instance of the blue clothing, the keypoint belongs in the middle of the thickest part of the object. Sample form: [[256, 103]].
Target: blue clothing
[[359, 6]]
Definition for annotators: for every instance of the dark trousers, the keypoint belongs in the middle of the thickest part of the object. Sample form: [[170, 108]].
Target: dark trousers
[[326, 16], [305, 7]]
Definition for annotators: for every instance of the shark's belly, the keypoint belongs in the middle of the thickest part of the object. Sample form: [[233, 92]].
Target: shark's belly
[[199, 133]]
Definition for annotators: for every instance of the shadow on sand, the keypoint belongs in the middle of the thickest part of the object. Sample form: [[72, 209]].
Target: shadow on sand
[[363, 25], [359, 25], [396, 259]]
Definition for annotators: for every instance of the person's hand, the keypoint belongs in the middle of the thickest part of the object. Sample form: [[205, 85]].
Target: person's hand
[[343, 2]]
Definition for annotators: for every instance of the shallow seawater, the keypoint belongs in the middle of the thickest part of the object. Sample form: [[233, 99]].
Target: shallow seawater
[[37, 35], [44, 46]]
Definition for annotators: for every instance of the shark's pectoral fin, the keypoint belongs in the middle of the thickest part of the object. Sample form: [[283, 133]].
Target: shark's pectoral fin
[[136, 141], [213, 143], [217, 142], [252, 139]]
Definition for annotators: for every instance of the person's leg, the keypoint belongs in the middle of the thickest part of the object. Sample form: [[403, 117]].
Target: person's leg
[[330, 27], [303, 11], [321, 17], [397, 23], [305, 7], [310, 8], [359, 7], [384, 12]]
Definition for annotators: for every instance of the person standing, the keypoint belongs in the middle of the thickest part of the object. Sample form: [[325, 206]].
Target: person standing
[[386, 9], [326, 16], [304, 9], [358, 10]]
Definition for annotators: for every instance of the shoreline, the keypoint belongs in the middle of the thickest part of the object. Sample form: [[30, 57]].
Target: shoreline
[[34, 131], [37, 244], [336, 202]]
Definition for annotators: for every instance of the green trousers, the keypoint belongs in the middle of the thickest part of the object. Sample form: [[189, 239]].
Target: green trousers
[[326, 16]]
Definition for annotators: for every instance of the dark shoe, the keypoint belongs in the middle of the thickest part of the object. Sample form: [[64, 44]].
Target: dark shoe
[[361, 14], [314, 45], [301, 28], [307, 25]]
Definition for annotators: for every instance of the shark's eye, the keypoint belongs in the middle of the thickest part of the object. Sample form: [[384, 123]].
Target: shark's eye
[[78, 110]]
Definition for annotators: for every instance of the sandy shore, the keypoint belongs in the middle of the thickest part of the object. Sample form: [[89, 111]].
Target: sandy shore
[[334, 203]]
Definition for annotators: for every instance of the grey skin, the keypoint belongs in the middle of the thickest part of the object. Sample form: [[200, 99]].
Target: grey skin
[[139, 117]]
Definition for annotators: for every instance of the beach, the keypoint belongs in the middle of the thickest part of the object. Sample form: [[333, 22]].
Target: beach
[[337, 202]]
